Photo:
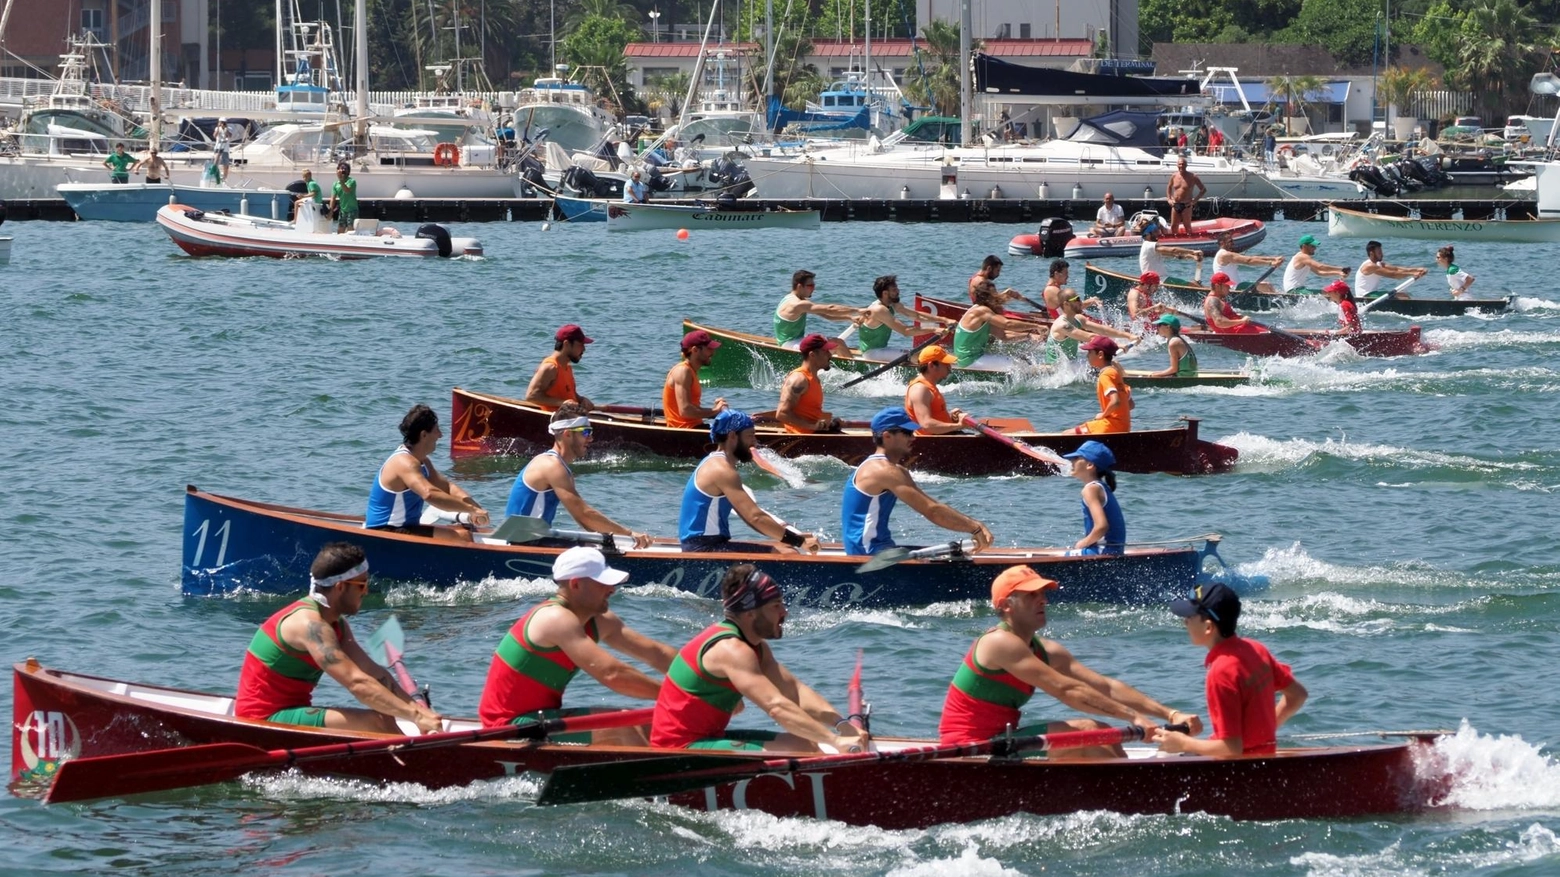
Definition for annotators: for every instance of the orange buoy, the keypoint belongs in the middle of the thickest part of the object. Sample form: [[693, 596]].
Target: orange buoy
[[446, 155]]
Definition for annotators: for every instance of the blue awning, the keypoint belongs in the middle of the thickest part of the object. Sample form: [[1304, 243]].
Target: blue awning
[[1257, 93]]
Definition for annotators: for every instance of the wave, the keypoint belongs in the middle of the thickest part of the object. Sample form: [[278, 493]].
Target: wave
[[1261, 453]]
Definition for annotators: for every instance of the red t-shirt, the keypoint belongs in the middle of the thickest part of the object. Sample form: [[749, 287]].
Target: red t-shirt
[[1243, 680]]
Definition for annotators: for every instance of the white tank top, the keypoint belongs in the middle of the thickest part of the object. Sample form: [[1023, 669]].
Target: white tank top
[[1364, 283], [1296, 276], [1150, 260], [1228, 266]]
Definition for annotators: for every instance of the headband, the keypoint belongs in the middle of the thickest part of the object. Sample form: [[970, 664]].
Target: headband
[[757, 589], [317, 585], [560, 426]]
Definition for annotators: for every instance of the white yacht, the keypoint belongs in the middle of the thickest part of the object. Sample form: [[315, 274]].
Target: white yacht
[[568, 111]]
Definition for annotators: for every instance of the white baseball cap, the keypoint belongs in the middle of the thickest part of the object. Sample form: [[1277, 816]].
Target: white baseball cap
[[581, 562]]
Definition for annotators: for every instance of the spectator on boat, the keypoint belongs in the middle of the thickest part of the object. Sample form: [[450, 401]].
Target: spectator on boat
[[557, 638], [982, 324], [156, 169], [309, 638], [1303, 269], [221, 141], [791, 313], [1140, 299], [1109, 220], [1180, 142], [1152, 253], [715, 490], [548, 479], [1183, 358], [801, 393], [1215, 142], [636, 192], [1219, 314], [731, 660], [408, 480], [681, 394], [1229, 261], [306, 207], [1456, 278], [343, 198], [1072, 327], [1250, 693], [1368, 277], [986, 278], [1104, 526], [1182, 193], [924, 402], [880, 322], [1339, 294], [118, 163], [875, 487], [1004, 666], [1270, 150], [1110, 389], [553, 383]]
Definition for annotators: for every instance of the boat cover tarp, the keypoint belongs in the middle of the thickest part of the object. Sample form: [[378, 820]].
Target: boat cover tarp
[[1119, 128], [995, 76], [781, 118]]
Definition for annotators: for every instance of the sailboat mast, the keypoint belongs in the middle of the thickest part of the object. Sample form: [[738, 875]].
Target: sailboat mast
[[360, 37], [698, 69], [279, 58], [769, 50], [965, 99], [155, 31]]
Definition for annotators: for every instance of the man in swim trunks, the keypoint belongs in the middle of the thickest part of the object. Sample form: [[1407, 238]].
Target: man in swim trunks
[[548, 480], [732, 660], [309, 638], [801, 394], [715, 490], [408, 480], [681, 393], [553, 383], [156, 169], [791, 313], [1183, 192]]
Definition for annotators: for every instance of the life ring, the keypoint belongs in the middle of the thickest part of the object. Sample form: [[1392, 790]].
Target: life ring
[[446, 155], [1287, 151]]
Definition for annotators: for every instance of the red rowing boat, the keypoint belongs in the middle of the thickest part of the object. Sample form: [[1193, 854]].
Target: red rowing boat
[[60, 715]]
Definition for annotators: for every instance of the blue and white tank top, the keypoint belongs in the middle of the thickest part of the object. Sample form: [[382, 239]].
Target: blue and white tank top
[[1115, 541], [864, 518], [702, 514], [527, 501], [393, 508]]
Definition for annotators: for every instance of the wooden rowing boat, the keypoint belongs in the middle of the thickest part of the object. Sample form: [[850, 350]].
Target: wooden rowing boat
[[233, 545], [60, 715], [487, 424], [1344, 223]]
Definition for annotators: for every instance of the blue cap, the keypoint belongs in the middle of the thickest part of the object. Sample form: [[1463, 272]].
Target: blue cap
[[892, 418], [729, 421], [1095, 453]]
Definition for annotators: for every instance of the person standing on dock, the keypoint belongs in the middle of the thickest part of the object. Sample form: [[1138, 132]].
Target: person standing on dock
[[221, 147], [791, 313], [1183, 192], [1152, 253], [1220, 314], [343, 198], [1229, 261], [801, 394], [924, 402], [1303, 269], [880, 323], [681, 394], [548, 479], [1367, 278], [715, 490], [408, 481], [118, 163], [1110, 389], [553, 383]]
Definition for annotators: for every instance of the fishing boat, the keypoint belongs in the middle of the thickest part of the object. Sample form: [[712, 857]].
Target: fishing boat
[[639, 217], [486, 424], [220, 234], [1204, 238], [62, 716], [234, 545], [139, 202], [572, 209], [748, 359], [1343, 223]]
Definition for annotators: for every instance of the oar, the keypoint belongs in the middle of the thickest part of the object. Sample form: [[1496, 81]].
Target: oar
[[1044, 455], [1386, 295], [1258, 282], [856, 708], [652, 777], [523, 528], [897, 361], [385, 647], [1338, 735], [1186, 316], [1285, 333], [107, 776], [890, 556]]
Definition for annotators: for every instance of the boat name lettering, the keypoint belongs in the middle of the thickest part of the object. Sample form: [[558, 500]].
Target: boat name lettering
[[739, 791], [1101, 285], [727, 217], [530, 567], [200, 546], [45, 738], [1449, 225]]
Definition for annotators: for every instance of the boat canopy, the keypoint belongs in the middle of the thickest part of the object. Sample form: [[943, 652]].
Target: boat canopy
[[1016, 83], [1120, 128]]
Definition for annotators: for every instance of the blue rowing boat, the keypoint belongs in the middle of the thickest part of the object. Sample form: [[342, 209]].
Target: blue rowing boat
[[240, 546]]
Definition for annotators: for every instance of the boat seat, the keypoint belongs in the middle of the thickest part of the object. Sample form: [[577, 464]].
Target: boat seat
[[365, 226]]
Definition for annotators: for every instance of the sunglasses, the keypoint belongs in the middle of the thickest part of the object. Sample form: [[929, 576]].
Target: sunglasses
[[583, 430]]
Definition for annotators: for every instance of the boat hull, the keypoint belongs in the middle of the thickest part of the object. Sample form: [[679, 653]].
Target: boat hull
[[5, 249], [581, 209], [215, 234], [1404, 342], [233, 545], [1343, 223], [139, 202], [643, 217], [1204, 239]]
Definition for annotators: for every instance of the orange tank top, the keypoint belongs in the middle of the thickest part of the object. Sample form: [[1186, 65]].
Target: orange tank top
[[939, 405], [669, 401], [1111, 378], [810, 406], [562, 386]]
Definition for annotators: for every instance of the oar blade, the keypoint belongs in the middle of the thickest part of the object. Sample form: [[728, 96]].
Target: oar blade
[[109, 776], [522, 528], [884, 559], [388, 634], [640, 778]]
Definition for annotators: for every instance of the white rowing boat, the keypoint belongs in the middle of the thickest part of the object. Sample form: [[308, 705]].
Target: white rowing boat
[[639, 217], [1344, 223]]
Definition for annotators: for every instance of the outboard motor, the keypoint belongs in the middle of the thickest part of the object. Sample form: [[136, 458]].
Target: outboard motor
[[1373, 180], [730, 176], [657, 181], [1414, 171], [438, 234], [1054, 234], [1435, 176], [531, 169], [586, 183]]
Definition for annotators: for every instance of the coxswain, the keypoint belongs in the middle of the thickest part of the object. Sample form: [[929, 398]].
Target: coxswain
[[1073, 327], [881, 321], [309, 638], [1219, 314], [881, 480], [1008, 662], [986, 278], [1303, 269], [982, 324], [1140, 299], [801, 393], [1152, 254], [1456, 278], [1110, 388], [1368, 277], [1104, 527], [1183, 357], [548, 479], [715, 490], [1339, 294], [553, 383], [731, 660], [408, 480], [559, 637], [924, 401], [1056, 290], [681, 394], [791, 313], [1229, 261]]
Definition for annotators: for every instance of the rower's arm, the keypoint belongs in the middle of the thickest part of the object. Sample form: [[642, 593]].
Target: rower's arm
[[368, 665], [1175, 362], [842, 313], [323, 646], [1119, 692], [536, 391], [1094, 501], [1011, 329], [1011, 654], [921, 412], [583, 512], [913, 314], [1099, 328], [790, 394], [939, 513], [631, 642], [1179, 252], [741, 667], [599, 663], [436, 491], [1290, 700]]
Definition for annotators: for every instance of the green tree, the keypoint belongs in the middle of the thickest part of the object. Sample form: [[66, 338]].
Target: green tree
[[1296, 93], [666, 92], [936, 82], [1399, 86], [1498, 48], [1182, 21], [794, 81], [1345, 28], [1438, 32], [595, 49], [611, 9]]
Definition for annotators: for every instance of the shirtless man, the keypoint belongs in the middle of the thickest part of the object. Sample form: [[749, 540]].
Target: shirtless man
[[1303, 268], [791, 313], [986, 278], [408, 481], [156, 169], [1229, 261], [1183, 192]]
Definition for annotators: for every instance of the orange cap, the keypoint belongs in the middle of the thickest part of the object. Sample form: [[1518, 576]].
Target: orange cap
[[936, 353], [1018, 578]]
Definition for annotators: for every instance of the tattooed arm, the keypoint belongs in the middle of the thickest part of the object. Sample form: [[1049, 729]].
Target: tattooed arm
[[365, 685]]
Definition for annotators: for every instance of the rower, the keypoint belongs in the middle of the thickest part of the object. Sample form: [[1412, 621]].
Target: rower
[[548, 479], [1140, 299], [986, 278], [1219, 314], [731, 660], [881, 480], [924, 401], [561, 636], [681, 393], [881, 323], [1183, 357], [1250, 693], [1303, 267], [1110, 388], [1008, 662], [310, 637], [1152, 254], [1367, 278], [1338, 293], [981, 324], [1073, 327], [553, 383], [1056, 290], [715, 490], [791, 313], [1104, 527], [1229, 261], [801, 393], [408, 480], [1456, 278]]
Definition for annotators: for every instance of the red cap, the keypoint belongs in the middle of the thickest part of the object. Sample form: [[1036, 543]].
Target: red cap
[[571, 332], [1149, 277], [1337, 286], [1101, 343], [816, 341], [697, 338], [1219, 277]]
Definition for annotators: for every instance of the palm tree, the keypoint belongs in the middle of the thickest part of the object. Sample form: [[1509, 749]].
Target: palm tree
[[1495, 52], [667, 91], [1297, 93], [1399, 87], [935, 81]]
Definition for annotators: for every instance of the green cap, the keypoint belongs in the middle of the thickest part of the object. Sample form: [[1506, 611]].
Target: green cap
[[1309, 241], [1169, 320]]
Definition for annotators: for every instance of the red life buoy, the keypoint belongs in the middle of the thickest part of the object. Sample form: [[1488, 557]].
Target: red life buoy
[[1287, 151], [446, 155]]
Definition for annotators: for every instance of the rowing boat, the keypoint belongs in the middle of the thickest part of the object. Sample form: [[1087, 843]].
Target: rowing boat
[[638, 217], [233, 545], [487, 424], [60, 715], [1342, 223]]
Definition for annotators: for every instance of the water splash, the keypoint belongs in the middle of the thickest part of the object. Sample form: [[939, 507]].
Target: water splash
[[1261, 453], [1488, 773], [1456, 339], [293, 785]]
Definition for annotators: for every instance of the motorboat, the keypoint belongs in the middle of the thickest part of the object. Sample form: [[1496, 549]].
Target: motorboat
[[222, 234]]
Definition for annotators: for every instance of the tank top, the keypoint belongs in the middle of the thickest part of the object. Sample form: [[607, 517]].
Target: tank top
[[527, 501], [810, 406], [1296, 276], [1064, 348], [1456, 278], [393, 508], [876, 337], [1149, 259], [939, 405], [1113, 378], [693, 704], [1115, 541], [524, 677], [1229, 266], [969, 346], [1187, 368], [789, 330], [702, 514], [276, 676], [562, 386], [864, 517], [1145, 302], [669, 401], [982, 702], [1349, 316], [1365, 284]]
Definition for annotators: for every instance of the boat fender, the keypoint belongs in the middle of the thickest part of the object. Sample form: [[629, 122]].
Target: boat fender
[[440, 235], [446, 155]]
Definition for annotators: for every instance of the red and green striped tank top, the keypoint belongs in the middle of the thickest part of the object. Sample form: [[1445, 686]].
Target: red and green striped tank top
[[982, 702], [693, 704], [525, 677], [275, 675]]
